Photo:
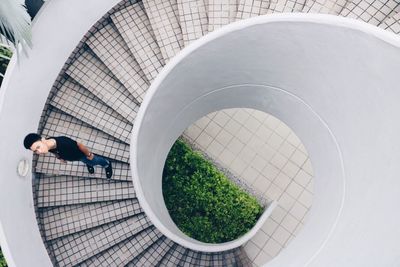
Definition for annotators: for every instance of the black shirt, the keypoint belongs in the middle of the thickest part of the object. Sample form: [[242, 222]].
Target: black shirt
[[66, 149]]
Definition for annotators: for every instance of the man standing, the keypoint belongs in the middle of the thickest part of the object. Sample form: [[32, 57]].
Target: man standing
[[66, 149]]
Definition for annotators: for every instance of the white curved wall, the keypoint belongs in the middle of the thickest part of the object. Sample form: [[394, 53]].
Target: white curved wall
[[56, 31], [333, 81]]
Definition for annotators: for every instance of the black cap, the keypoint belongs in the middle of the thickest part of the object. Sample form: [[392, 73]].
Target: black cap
[[30, 139]]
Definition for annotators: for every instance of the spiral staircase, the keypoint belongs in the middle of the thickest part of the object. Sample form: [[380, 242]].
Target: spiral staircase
[[88, 220]]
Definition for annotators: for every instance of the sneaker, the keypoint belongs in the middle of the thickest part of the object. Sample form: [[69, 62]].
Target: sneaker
[[109, 171], [90, 169]]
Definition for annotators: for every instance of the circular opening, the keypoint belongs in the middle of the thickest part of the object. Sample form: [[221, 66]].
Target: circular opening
[[250, 75]]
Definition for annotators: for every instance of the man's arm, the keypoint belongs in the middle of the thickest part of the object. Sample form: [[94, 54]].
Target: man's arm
[[85, 151]]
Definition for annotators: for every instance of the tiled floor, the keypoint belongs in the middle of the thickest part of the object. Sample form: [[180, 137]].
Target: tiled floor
[[269, 157]]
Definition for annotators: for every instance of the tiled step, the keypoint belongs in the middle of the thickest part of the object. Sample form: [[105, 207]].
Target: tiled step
[[153, 255], [218, 259], [124, 252], [61, 124], [76, 248], [229, 258], [190, 259], [279, 6], [134, 26], [370, 11], [48, 164], [77, 101], [66, 220], [333, 7], [173, 257], [67, 190], [111, 48], [193, 19], [163, 16], [92, 74], [392, 23], [241, 258], [220, 13], [251, 8]]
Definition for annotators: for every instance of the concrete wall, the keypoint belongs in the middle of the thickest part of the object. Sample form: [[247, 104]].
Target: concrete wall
[[56, 31], [334, 82]]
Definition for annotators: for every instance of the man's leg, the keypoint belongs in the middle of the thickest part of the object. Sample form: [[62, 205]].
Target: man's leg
[[99, 160], [89, 164]]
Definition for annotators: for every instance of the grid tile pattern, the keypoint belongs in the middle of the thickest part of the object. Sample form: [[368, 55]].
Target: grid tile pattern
[[85, 106], [392, 23], [76, 248], [124, 252], [279, 6], [134, 26], [266, 155], [163, 16], [109, 46], [92, 74], [242, 258], [66, 220], [204, 259], [220, 13], [153, 254], [59, 123], [193, 19], [230, 258], [190, 258], [173, 257], [252, 8], [333, 7], [370, 11], [67, 190], [48, 164]]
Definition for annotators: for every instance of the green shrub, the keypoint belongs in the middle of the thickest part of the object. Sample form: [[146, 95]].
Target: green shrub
[[201, 200], [3, 262]]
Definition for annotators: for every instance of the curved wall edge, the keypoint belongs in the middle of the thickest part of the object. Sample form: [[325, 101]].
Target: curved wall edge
[[345, 72]]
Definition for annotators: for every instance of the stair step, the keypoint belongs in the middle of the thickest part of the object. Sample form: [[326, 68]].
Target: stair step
[[193, 19], [80, 103], [173, 257], [76, 248], [229, 258], [333, 7], [392, 23], [370, 11], [153, 255], [220, 13], [92, 74], [66, 220], [163, 16], [241, 258], [67, 190], [280, 6], [190, 259], [251, 8], [124, 252], [111, 48], [204, 259], [134, 26], [61, 124], [218, 259], [48, 164]]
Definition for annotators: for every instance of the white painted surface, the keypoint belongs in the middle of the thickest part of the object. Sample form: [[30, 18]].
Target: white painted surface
[[333, 81], [57, 30]]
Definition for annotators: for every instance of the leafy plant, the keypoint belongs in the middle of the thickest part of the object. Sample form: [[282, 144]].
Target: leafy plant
[[3, 262], [5, 55], [15, 24], [202, 201]]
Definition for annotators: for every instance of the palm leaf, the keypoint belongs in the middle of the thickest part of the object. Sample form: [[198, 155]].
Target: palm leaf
[[15, 24]]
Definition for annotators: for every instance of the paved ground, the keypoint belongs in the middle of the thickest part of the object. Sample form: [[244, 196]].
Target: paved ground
[[270, 158]]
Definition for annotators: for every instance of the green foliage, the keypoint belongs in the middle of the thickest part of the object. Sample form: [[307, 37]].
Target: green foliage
[[3, 262], [201, 200], [4, 51]]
